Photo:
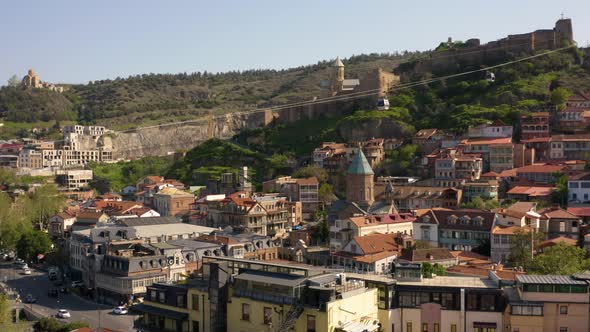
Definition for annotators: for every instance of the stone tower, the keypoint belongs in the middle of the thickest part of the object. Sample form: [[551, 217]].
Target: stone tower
[[563, 32], [359, 180], [337, 76]]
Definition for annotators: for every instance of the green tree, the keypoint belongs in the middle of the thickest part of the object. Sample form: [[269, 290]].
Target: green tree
[[484, 247], [559, 195], [45, 202], [559, 96], [421, 244], [32, 243], [309, 171], [13, 81], [429, 270], [560, 259], [326, 193], [5, 308], [479, 203], [522, 246]]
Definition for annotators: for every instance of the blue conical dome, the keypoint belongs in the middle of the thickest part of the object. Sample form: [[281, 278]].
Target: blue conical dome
[[360, 165]]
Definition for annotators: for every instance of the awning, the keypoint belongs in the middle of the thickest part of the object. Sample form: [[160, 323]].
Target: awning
[[363, 326], [484, 325], [142, 307]]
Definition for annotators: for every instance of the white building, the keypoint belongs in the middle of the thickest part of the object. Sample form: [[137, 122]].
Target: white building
[[426, 229], [496, 129], [579, 188]]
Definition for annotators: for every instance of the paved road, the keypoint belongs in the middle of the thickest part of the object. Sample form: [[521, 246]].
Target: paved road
[[38, 284]]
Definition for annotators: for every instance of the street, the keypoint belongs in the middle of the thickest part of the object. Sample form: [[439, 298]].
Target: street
[[38, 284]]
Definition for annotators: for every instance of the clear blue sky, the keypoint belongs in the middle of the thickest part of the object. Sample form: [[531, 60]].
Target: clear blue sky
[[76, 41]]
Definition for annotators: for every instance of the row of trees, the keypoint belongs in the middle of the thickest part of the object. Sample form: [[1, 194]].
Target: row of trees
[[23, 218], [561, 259]]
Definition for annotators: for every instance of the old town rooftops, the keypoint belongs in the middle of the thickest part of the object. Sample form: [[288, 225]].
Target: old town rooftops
[[548, 280], [373, 220]]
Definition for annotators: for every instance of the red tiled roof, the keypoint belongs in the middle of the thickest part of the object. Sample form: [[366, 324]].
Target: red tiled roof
[[424, 255], [557, 240], [531, 191], [509, 230], [377, 242], [540, 169], [374, 220], [579, 176], [307, 181], [579, 211], [537, 140], [557, 213], [485, 140]]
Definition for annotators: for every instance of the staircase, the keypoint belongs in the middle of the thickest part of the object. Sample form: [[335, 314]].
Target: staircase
[[291, 318]]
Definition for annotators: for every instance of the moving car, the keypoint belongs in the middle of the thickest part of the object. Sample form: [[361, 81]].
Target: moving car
[[63, 313], [30, 299], [120, 310], [77, 283]]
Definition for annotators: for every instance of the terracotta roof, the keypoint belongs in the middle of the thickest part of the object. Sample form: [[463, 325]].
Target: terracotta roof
[[487, 141], [579, 211], [426, 255], [372, 258], [121, 206], [557, 213], [509, 230], [483, 271], [531, 191], [490, 174], [557, 240], [425, 133], [219, 239], [173, 192], [536, 114], [570, 138], [89, 216], [377, 242], [537, 140], [374, 220], [580, 96], [509, 173], [469, 256], [307, 181], [65, 215], [579, 176], [540, 169]]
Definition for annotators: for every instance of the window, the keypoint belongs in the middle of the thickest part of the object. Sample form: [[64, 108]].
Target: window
[[392, 327], [471, 301], [563, 329], [245, 311], [436, 327], [453, 327], [516, 329], [424, 327], [311, 323], [180, 301], [409, 327], [162, 297], [195, 298], [195, 326], [488, 302], [153, 295], [447, 300], [267, 315], [563, 310]]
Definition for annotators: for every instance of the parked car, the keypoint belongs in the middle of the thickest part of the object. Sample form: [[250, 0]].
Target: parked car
[[77, 283], [30, 299], [53, 292], [26, 271], [63, 313], [120, 310]]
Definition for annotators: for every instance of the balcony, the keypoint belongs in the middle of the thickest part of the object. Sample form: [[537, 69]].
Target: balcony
[[264, 296]]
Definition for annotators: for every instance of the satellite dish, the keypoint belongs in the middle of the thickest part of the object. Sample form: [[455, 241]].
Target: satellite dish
[[170, 261]]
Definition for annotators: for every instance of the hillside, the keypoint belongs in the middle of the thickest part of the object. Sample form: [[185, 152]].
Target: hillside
[[158, 98]]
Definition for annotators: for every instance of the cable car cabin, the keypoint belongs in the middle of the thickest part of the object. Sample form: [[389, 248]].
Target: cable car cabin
[[490, 77], [383, 104]]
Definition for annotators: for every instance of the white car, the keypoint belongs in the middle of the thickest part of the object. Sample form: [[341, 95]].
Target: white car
[[120, 310], [63, 313], [27, 271], [77, 283]]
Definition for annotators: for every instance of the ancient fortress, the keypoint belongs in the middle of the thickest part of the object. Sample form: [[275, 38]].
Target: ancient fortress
[[473, 54]]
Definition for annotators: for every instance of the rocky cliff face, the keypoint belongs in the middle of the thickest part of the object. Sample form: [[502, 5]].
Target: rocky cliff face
[[166, 139]]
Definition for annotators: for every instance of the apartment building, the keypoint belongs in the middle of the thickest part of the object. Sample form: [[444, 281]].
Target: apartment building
[[343, 231], [74, 179], [570, 147], [548, 303], [495, 129], [535, 125], [165, 308], [579, 187], [410, 198], [172, 201], [454, 170], [304, 190]]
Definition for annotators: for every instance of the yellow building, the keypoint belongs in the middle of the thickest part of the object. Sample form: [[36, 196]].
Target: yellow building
[[548, 303], [271, 301]]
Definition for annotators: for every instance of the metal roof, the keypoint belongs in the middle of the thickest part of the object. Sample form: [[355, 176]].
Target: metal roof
[[548, 279], [282, 279], [360, 165]]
